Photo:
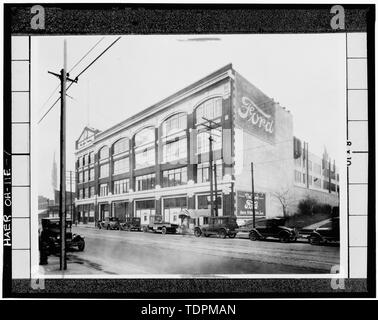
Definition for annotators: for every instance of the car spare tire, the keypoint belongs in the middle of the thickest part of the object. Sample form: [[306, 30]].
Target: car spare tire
[[81, 246]]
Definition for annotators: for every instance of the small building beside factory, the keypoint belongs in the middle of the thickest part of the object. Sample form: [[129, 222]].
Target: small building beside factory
[[157, 161]]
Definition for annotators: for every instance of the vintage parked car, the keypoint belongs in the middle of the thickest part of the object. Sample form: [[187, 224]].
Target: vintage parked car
[[156, 224], [329, 232], [111, 223], [131, 223], [222, 226], [50, 236], [270, 228]]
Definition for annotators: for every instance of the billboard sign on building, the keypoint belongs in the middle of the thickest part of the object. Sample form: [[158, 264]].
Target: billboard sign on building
[[245, 203], [255, 112]]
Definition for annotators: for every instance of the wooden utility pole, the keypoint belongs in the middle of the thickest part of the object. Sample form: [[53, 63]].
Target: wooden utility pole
[[329, 176], [212, 125], [211, 175], [62, 200], [63, 77], [71, 206], [216, 189], [307, 173], [253, 196]]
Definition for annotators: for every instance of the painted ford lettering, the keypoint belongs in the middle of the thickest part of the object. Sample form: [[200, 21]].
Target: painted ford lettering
[[252, 113]]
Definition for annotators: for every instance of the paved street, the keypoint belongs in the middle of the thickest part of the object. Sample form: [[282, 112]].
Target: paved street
[[122, 252]]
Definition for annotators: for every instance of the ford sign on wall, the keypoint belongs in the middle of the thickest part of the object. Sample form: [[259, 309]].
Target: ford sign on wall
[[245, 203], [255, 112]]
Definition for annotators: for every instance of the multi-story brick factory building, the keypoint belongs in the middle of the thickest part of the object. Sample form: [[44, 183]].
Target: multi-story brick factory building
[[157, 161]]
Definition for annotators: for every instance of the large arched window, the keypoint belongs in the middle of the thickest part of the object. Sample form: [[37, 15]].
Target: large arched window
[[144, 148], [120, 146], [174, 124], [174, 138], [211, 110], [120, 156], [144, 136], [103, 153]]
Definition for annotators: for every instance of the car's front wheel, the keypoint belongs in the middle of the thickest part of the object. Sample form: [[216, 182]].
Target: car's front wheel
[[222, 233], [232, 235], [253, 236], [284, 238], [163, 230], [197, 232]]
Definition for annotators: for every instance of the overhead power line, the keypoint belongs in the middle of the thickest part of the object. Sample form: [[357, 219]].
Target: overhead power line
[[56, 101], [89, 51], [98, 56], [77, 77], [76, 64], [48, 99]]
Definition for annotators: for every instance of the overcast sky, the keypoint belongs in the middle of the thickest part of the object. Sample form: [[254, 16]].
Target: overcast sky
[[304, 73]]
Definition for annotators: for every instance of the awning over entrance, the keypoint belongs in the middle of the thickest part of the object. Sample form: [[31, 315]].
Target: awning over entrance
[[191, 213]]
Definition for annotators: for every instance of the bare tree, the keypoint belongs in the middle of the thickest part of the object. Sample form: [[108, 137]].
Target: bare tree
[[285, 197]]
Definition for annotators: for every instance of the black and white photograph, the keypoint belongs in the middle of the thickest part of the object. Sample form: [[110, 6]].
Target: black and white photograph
[[188, 154], [191, 155]]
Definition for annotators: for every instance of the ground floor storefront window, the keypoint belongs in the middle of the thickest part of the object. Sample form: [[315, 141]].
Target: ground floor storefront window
[[104, 211], [144, 209], [203, 202], [91, 214], [121, 209], [172, 208], [84, 214]]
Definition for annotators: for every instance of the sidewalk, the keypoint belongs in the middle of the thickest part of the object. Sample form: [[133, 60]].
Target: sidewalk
[[81, 225], [75, 266]]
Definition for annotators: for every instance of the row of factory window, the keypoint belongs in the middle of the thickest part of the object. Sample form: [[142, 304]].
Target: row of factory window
[[317, 168], [170, 178], [311, 166], [174, 142], [120, 166], [300, 177], [86, 159], [172, 152], [203, 202]]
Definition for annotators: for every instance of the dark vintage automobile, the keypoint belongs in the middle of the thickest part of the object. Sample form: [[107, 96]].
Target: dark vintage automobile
[[111, 223], [330, 232], [269, 228], [221, 226], [50, 236], [131, 223], [156, 224]]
